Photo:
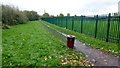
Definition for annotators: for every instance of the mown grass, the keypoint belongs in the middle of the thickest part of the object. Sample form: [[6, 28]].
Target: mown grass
[[110, 48], [32, 44], [0, 36], [0, 46]]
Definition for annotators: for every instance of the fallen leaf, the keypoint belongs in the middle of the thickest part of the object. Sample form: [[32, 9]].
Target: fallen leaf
[[5, 61], [64, 63], [73, 54], [93, 60], [81, 57], [101, 52], [73, 60], [48, 65], [49, 57], [86, 55], [92, 64]]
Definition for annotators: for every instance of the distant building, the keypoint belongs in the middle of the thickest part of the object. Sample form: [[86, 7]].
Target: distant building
[[119, 7]]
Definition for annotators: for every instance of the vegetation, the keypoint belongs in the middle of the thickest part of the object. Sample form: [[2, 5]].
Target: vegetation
[[57, 16], [32, 44], [61, 15], [31, 15], [75, 15], [68, 14], [0, 14], [89, 26], [110, 48], [0, 39], [46, 15], [15, 16]]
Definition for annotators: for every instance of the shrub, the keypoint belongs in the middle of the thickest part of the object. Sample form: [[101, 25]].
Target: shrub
[[21, 17], [32, 15], [12, 15], [5, 26]]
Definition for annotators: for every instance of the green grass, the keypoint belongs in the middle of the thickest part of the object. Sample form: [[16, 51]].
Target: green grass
[[110, 48], [0, 36], [32, 44], [0, 47]]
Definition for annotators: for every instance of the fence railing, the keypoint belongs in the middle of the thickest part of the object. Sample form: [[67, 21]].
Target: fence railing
[[104, 27]]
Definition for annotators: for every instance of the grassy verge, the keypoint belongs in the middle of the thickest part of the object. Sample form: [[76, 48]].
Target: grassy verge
[[0, 46], [32, 44], [0, 36], [110, 48]]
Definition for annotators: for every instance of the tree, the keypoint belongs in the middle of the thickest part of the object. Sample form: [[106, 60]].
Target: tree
[[61, 15], [57, 16], [32, 15], [68, 14], [14, 16], [46, 15], [75, 15]]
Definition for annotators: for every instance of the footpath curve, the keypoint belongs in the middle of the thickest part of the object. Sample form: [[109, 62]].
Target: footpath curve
[[96, 57]]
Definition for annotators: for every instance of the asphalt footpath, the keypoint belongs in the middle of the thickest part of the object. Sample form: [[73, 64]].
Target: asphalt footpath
[[95, 56]]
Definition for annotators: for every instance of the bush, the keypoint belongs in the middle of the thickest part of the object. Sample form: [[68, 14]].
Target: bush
[[21, 17], [4, 26], [12, 15], [0, 23], [32, 15]]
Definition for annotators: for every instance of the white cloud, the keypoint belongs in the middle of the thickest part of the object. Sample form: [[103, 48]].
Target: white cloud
[[66, 6]]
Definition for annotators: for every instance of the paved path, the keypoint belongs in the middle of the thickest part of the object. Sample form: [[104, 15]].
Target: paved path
[[97, 57]]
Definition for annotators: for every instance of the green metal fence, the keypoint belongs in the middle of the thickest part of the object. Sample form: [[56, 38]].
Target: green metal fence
[[104, 27]]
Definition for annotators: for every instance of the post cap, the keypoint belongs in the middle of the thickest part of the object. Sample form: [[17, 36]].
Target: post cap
[[71, 36]]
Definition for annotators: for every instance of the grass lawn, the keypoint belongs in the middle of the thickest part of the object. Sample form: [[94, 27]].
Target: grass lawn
[[32, 44], [110, 48], [0, 47]]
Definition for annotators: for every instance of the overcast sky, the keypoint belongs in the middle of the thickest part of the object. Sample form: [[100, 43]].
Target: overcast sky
[[78, 7]]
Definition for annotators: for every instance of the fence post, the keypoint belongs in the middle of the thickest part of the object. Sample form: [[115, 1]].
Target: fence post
[[60, 21], [96, 26], [81, 23], [73, 23], [52, 20], [108, 27], [118, 41], [56, 21], [66, 22]]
